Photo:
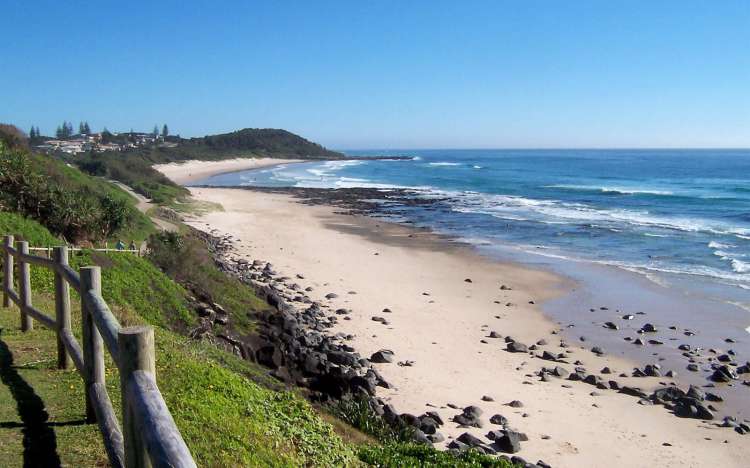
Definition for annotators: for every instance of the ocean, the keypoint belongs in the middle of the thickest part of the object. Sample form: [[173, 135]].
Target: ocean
[[663, 213], [664, 233]]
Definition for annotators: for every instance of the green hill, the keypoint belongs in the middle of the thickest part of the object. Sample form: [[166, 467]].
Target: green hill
[[134, 167], [270, 142]]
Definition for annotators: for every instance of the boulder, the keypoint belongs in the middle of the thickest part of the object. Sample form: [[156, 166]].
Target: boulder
[[499, 419], [383, 356], [516, 347], [470, 440], [724, 374], [509, 442]]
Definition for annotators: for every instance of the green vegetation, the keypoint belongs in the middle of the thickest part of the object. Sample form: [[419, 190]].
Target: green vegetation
[[134, 171], [71, 204], [226, 419], [26, 229], [134, 167], [418, 455], [268, 142], [358, 413], [185, 259]]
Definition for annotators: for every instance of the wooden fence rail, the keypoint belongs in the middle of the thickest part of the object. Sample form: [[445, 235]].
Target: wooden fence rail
[[149, 436]]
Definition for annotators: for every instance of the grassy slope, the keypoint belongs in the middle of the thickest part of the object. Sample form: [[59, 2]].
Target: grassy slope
[[228, 410], [226, 418]]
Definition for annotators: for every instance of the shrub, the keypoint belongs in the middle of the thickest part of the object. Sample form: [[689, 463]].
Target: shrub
[[67, 202]]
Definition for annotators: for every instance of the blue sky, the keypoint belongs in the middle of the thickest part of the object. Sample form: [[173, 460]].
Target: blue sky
[[388, 74]]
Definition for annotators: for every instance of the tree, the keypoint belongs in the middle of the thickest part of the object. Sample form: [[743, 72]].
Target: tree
[[32, 133], [165, 131], [86, 128], [59, 133], [156, 131], [12, 137], [106, 136], [81, 128], [69, 130]]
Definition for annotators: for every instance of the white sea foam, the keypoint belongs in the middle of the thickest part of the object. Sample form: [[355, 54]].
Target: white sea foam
[[477, 167], [556, 211], [719, 245], [605, 189], [721, 254], [443, 164], [740, 266]]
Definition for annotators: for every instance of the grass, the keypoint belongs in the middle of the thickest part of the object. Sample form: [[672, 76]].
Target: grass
[[418, 455], [229, 411], [186, 259], [225, 418]]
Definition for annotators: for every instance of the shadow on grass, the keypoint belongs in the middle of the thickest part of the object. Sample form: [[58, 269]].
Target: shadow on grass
[[39, 441]]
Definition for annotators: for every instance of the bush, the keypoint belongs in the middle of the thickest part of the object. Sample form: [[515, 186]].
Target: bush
[[12, 137], [67, 202], [419, 455], [358, 413]]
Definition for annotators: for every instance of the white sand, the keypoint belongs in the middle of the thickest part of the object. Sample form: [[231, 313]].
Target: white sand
[[191, 171], [337, 253]]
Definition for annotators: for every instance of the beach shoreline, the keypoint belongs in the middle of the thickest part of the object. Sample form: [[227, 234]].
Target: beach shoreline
[[442, 323], [187, 172]]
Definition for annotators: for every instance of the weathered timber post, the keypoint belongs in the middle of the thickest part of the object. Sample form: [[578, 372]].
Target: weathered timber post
[[24, 286], [93, 346], [7, 272], [136, 346], [62, 307]]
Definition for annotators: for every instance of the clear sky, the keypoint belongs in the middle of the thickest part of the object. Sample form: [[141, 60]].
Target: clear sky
[[388, 74]]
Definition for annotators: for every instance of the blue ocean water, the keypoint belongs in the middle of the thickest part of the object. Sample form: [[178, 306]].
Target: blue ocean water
[[670, 212]]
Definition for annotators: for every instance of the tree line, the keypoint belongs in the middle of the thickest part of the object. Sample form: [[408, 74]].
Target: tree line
[[65, 131]]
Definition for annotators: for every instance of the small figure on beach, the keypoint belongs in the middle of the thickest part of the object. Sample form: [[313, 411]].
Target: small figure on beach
[[120, 245]]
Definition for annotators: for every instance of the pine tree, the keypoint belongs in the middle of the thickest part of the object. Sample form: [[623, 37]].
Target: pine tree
[[59, 133], [156, 131], [32, 133], [165, 131], [81, 129], [86, 128]]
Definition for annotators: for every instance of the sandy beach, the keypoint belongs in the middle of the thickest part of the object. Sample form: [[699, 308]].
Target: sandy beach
[[444, 300], [186, 172]]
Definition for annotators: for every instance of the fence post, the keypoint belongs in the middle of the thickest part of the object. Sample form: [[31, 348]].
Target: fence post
[[62, 307], [136, 354], [93, 346], [24, 286], [7, 272]]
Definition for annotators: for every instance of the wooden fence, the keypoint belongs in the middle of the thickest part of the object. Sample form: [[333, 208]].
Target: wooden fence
[[149, 436]]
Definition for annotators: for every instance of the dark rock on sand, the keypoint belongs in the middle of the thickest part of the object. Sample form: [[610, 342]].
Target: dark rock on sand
[[516, 347], [723, 374], [382, 357], [508, 442], [499, 419], [470, 440]]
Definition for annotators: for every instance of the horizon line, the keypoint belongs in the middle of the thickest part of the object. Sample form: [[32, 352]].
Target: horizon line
[[556, 148]]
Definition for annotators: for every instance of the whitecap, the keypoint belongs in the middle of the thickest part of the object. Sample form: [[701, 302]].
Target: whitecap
[[719, 245], [606, 189], [443, 164], [740, 266]]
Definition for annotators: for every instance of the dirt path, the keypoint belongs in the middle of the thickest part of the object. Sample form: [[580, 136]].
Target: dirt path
[[144, 205]]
